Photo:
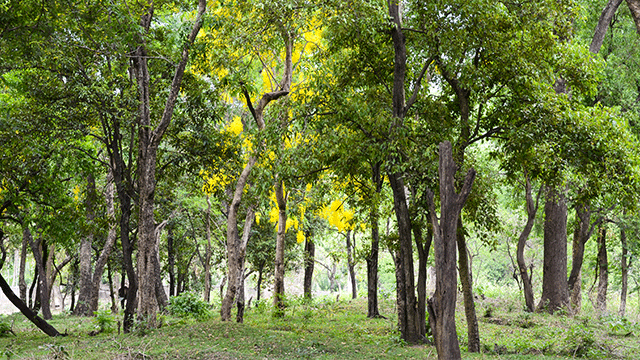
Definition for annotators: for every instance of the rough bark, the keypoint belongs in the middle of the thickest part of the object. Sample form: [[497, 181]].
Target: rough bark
[[309, 261], [442, 304], [634, 7], [242, 250], [603, 271], [624, 268], [84, 294], [555, 294], [278, 282], [423, 246], [466, 282], [603, 24], [148, 142], [532, 209], [171, 260]]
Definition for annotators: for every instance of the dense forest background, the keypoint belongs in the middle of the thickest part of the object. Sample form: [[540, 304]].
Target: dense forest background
[[425, 151]]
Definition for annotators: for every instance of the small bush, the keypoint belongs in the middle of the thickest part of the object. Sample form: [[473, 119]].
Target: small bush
[[580, 341], [189, 304], [5, 327], [104, 321]]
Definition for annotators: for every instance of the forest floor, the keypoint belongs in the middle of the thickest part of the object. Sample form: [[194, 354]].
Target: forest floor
[[326, 329]]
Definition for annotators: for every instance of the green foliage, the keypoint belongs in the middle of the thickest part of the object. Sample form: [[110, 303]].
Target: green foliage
[[189, 305], [104, 321]]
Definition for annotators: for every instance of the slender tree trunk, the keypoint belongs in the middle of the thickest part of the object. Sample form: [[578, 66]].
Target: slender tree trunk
[[351, 266], [624, 268], [466, 281], [22, 284], [112, 292], [555, 294], [603, 270], [634, 7], [242, 249], [148, 142], [171, 259], [532, 209], [207, 255], [581, 235], [259, 284], [423, 246], [309, 261], [442, 305], [278, 286], [372, 258], [40, 253]]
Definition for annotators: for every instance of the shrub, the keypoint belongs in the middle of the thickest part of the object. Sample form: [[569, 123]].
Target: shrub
[[103, 321], [189, 304]]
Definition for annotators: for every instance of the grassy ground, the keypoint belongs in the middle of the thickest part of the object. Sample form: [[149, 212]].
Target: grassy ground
[[327, 329]]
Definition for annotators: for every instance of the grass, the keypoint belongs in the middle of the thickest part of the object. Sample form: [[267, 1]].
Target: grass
[[326, 329]]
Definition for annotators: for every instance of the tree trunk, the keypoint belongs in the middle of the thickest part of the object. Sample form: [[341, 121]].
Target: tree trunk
[[555, 294], [603, 25], [603, 271], [83, 307], [24, 309], [351, 266], [372, 258], [624, 268], [171, 259], [581, 235], [309, 261], [207, 254], [240, 298], [634, 7], [242, 250], [278, 285], [259, 284], [148, 143], [443, 302], [466, 281], [40, 253], [532, 209], [423, 246], [22, 284]]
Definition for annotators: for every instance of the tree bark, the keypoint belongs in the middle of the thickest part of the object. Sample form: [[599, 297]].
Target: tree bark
[[634, 7], [555, 294], [603, 271], [442, 304], [466, 281], [171, 259], [423, 247], [242, 250], [532, 209], [22, 284], [372, 258], [148, 142], [351, 265], [83, 307], [39, 250], [603, 24], [624, 268], [581, 235], [309, 261], [278, 283], [207, 254]]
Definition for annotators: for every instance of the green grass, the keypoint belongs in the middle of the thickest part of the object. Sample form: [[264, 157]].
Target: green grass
[[326, 329]]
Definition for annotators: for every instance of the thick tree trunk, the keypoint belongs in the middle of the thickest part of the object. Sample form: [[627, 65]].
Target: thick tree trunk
[[442, 305], [278, 283], [624, 268], [83, 306], [603, 271], [603, 25], [372, 258], [532, 209], [309, 261], [555, 294], [466, 281]]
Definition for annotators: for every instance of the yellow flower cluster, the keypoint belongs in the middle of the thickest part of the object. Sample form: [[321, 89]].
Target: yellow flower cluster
[[214, 181], [337, 216]]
